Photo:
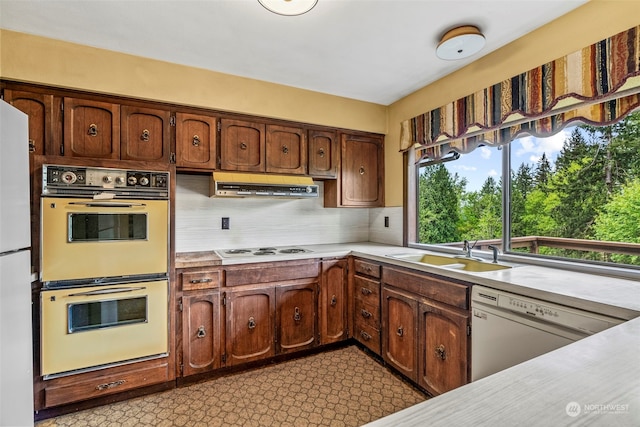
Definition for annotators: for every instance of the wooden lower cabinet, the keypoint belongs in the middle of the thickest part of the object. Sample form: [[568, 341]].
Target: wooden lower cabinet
[[399, 331], [296, 317], [365, 284], [201, 350], [333, 301], [444, 348], [250, 324]]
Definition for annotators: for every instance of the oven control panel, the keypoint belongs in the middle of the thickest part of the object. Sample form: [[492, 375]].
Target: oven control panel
[[62, 179]]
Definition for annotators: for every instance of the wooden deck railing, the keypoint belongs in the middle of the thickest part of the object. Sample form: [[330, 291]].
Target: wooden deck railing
[[533, 243]]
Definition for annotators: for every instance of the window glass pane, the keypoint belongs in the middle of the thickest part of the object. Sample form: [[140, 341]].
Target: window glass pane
[[577, 194], [461, 199]]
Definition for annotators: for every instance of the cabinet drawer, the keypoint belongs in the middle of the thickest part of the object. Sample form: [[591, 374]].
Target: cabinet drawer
[[200, 280], [367, 268], [428, 286], [366, 313], [367, 290], [106, 385], [276, 272], [368, 336]]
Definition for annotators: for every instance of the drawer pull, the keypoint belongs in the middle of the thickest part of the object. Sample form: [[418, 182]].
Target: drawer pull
[[107, 386], [285, 149], [366, 291], [296, 314], [201, 332], [207, 280], [145, 135], [196, 140], [334, 300], [441, 353], [252, 323], [365, 336], [400, 331], [321, 152], [365, 313], [243, 146]]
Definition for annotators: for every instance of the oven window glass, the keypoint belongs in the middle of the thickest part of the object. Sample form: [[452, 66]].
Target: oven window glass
[[104, 314], [93, 227]]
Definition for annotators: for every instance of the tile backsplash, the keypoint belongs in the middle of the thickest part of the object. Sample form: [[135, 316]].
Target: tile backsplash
[[275, 222]]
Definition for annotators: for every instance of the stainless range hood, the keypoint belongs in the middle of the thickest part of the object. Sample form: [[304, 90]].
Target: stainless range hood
[[232, 184]]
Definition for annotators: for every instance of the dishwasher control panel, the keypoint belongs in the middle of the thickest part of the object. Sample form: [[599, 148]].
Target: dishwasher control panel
[[543, 311]]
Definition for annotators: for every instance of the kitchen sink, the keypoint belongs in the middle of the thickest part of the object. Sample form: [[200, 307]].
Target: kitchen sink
[[450, 262]]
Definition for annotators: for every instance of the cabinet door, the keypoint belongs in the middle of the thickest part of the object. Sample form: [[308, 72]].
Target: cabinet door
[[145, 134], [333, 301], [399, 328], [362, 171], [250, 325], [44, 128], [196, 139], [91, 129], [242, 146], [444, 346], [201, 332], [323, 154], [296, 316], [286, 149]]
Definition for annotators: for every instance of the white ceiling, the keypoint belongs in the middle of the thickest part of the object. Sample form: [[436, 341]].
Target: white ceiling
[[370, 50]]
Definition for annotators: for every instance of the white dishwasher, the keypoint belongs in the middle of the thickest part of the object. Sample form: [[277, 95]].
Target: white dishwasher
[[508, 329]]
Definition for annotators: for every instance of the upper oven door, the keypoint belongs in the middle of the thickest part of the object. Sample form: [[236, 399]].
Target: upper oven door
[[86, 238]]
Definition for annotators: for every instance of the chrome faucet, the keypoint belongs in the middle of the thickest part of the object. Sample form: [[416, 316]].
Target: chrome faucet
[[466, 247], [494, 249]]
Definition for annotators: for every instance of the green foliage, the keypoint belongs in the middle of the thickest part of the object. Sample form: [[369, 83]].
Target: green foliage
[[438, 205]]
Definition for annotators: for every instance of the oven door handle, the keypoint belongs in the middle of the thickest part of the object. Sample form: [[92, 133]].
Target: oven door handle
[[106, 291], [107, 204]]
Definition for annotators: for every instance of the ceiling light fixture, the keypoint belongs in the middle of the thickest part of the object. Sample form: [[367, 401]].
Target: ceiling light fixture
[[288, 7], [459, 43]]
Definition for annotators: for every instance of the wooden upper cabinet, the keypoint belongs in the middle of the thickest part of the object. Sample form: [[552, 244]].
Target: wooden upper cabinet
[[361, 173], [242, 146], [286, 150], [44, 119], [145, 134], [91, 129], [323, 154], [196, 140]]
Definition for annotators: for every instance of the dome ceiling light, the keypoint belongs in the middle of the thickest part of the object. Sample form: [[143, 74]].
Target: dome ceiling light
[[288, 7], [459, 43]]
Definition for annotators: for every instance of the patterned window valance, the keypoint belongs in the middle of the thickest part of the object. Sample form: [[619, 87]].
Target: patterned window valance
[[597, 85]]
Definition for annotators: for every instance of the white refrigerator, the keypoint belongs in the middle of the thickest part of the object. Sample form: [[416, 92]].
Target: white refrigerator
[[16, 355]]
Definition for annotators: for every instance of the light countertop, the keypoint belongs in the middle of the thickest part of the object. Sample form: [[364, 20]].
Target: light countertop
[[594, 381]]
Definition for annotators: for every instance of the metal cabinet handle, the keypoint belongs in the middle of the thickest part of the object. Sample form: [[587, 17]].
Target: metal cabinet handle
[[93, 130], [366, 291], [195, 141], [252, 323], [243, 146], [32, 145], [285, 149], [321, 152], [334, 300], [365, 313], [400, 331], [441, 353], [296, 314], [361, 170], [365, 335], [201, 332], [144, 136], [107, 386], [207, 280]]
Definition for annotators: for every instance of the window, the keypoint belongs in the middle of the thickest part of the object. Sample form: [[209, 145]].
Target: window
[[574, 195]]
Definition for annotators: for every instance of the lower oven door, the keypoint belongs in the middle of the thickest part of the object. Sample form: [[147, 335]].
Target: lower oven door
[[87, 327]]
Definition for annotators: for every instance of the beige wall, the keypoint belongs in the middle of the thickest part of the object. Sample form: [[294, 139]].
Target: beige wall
[[588, 24], [42, 60]]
